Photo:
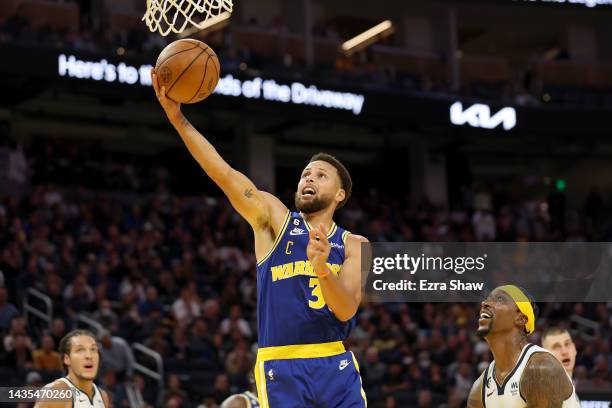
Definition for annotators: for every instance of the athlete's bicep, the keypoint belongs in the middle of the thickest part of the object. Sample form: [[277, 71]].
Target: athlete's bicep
[[475, 397], [544, 383], [244, 196]]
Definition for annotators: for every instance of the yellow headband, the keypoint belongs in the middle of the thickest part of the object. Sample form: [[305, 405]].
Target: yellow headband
[[523, 303]]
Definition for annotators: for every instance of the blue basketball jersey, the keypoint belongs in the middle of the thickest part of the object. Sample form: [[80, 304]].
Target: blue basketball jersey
[[291, 308]]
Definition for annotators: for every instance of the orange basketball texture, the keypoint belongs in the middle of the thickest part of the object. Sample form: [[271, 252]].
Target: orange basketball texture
[[189, 69]]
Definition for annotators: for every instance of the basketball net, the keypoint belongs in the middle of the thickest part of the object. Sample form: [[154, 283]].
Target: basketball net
[[165, 16]]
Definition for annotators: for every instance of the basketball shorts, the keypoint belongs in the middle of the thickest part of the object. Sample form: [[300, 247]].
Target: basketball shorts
[[308, 376]]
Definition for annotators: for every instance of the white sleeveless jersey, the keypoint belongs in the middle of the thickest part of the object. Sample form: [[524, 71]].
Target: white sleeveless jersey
[[81, 399], [508, 394]]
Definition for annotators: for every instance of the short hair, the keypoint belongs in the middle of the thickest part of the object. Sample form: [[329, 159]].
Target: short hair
[[66, 343], [553, 331], [346, 183]]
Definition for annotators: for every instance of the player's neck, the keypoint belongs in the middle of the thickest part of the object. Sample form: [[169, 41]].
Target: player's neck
[[84, 385], [506, 351], [324, 217]]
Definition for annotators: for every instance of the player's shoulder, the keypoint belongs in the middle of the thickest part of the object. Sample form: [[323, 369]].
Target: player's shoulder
[[544, 373], [544, 362], [277, 211], [353, 244], [354, 239], [58, 384], [475, 396], [235, 401], [105, 397]]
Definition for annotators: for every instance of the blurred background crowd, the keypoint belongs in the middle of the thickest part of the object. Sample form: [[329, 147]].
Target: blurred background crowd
[[177, 274]]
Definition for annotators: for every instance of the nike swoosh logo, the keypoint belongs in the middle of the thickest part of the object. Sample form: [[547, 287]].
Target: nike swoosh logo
[[488, 395]]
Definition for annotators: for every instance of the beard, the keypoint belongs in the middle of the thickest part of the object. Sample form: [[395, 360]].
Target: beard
[[484, 331], [309, 207]]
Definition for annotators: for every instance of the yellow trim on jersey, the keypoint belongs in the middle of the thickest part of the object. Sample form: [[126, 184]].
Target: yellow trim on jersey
[[300, 351], [260, 380], [331, 232], [344, 235], [278, 238], [363, 394]]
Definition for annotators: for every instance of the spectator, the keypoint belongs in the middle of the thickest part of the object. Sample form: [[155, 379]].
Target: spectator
[[173, 388], [116, 390], [79, 295], [464, 380], [20, 356], [58, 330], [116, 355], [239, 361], [106, 316], [7, 310], [151, 304], [235, 320], [46, 358], [186, 308], [18, 328], [221, 388]]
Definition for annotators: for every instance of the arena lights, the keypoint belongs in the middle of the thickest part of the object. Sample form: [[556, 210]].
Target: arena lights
[[479, 116], [212, 24], [367, 38]]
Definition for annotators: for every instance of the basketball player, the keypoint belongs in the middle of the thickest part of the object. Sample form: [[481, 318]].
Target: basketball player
[[80, 356], [308, 275], [559, 342], [522, 374], [245, 400]]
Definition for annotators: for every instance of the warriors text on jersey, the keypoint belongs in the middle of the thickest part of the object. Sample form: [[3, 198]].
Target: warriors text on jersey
[[291, 308], [508, 394], [81, 400]]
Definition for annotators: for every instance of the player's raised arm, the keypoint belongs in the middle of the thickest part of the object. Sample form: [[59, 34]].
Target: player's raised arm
[[544, 383], [253, 205]]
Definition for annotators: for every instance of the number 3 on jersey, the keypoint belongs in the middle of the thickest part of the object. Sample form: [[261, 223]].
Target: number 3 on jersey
[[319, 302]]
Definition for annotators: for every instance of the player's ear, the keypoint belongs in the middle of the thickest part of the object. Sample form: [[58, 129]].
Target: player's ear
[[66, 360], [340, 195], [521, 319]]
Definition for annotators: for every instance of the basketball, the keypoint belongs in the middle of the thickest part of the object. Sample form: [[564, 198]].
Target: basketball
[[189, 69]]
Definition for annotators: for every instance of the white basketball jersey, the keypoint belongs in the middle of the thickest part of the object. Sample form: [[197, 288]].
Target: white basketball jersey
[[508, 394], [81, 399]]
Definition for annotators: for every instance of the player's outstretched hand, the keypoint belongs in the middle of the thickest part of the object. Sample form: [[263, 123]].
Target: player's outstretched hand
[[318, 248], [172, 108]]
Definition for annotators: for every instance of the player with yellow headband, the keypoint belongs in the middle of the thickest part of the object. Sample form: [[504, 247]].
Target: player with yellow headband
[[522, 375]]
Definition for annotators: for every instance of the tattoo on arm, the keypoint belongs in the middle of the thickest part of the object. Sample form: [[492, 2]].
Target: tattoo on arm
[[248, 193], [544, 383]]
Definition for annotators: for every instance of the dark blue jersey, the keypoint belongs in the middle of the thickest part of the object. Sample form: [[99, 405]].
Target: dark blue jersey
[[291, 308]]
